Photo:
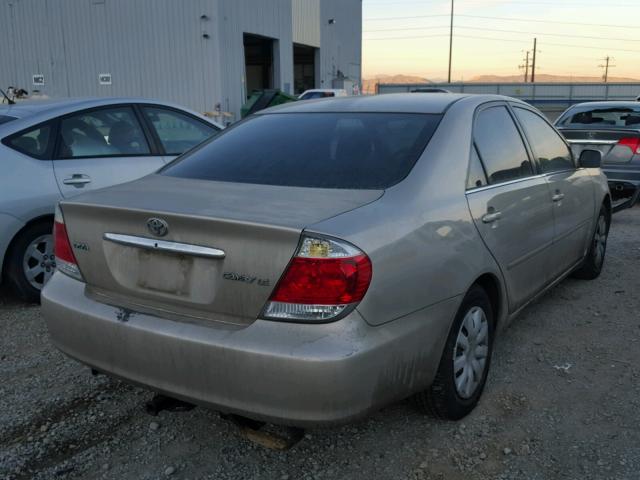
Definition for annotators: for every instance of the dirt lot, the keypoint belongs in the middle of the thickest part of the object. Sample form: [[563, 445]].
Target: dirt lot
[[563, 401]]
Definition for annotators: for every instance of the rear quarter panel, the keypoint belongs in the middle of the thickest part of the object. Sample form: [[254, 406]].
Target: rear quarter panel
[[420, 235]]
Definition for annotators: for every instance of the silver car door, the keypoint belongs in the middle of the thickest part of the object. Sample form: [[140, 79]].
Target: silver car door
[[511, 207], [101, 147], [176, 131], [571, 190]]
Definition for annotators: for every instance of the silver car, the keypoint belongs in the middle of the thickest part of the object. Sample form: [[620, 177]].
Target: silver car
[[55, 149], [322, 259]]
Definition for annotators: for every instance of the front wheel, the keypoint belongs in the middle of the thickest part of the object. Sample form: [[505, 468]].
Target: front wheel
[[594, 261], [464, 365], [31, 261]]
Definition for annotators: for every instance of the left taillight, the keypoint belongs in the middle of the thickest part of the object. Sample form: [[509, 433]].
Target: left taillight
[[65, 259], [325, 279]]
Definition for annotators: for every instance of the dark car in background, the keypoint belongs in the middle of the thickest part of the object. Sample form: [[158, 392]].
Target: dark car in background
[[614, 129]]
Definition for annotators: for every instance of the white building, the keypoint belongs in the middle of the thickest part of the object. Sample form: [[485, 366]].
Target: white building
[[204, 54]]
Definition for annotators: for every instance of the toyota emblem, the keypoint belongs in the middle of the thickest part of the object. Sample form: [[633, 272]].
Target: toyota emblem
[[158, 227]]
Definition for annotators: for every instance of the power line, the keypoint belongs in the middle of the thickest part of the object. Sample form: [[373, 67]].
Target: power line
[[507, 19], [505, 40], [590, 37]]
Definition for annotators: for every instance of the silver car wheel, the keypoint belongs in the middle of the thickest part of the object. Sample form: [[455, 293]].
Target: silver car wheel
[[39, 261], [470, 352], [600, 240]]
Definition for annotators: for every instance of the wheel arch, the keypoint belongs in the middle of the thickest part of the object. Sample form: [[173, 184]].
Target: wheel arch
[[40, 219], [493, 287]]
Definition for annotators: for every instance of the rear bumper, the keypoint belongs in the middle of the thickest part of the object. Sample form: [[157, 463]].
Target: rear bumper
[[282, 372], [622, 173]]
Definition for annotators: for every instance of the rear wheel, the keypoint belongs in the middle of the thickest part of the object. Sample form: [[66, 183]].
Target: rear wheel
[[31, 261], [594, 261], [464, 365]]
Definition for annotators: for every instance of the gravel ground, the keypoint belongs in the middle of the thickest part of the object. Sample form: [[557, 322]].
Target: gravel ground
[[562, 401]]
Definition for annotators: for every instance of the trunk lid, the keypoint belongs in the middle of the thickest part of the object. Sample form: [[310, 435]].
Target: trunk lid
[[606, 141], [257, 227]]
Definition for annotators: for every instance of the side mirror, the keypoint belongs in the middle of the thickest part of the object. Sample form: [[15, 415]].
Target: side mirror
[[590, 159]]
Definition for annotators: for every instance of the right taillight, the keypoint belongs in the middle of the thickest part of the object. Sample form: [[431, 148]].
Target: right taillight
[[324, 280], [632, 143], [65, 259]]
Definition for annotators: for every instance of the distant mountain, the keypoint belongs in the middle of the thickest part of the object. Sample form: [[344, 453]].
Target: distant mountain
[[547, 78], [369, 84]]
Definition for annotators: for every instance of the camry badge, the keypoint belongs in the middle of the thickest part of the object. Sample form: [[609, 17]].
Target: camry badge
[[158, 227]]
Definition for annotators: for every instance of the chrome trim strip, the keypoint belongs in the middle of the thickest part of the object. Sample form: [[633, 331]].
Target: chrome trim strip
[[594, 142], [165, 246], [502, 184]]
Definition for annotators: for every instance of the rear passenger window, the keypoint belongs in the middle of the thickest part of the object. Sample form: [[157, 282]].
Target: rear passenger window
[[552, 153], [500, 146], [105, 132], [178, 132], [477, 177], [32, 142]]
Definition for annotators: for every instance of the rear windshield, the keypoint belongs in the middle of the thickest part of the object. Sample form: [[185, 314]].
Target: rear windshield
[[602, 117], [5, 119], [315, 150]]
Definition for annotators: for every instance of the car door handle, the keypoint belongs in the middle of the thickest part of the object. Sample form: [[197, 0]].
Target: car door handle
[[557, 197], [491, 217], [77, 180]]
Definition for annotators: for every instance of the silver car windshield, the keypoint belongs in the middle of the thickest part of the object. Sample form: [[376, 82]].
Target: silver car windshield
[[314, 150]]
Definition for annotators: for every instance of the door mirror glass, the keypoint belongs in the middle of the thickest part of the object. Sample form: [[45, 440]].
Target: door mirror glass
[[590, 159]]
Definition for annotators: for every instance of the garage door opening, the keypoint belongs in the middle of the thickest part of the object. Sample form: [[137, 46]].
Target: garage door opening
[[258, 55], [304, 68]]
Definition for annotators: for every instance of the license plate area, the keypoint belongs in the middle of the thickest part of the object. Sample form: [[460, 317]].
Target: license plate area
[[165, 272]]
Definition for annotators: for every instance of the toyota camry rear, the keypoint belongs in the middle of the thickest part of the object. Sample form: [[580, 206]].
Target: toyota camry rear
[[314, 262]]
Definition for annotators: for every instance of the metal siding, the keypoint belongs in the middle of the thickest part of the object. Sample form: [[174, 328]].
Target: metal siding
[[341, 48], [272, 19], [306, 22], [543, 92], [155, 48]]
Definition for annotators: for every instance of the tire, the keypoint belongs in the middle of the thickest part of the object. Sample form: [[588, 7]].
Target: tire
[[30, 261], [594, 261], [450, 397]]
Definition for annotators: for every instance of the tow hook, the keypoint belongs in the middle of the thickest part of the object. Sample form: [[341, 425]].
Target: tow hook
[[266, 435], [161, 402]]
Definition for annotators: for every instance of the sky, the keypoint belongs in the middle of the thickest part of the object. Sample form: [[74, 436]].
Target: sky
[[411, 37]]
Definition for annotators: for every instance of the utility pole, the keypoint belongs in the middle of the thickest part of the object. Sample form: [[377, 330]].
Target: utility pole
[[533, 65], [606, 67], [525, 67], [450, 43]]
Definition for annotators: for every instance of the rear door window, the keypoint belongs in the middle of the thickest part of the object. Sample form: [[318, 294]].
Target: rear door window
[[551, 151], [178, 132], [315, 150], [33, 142], [500, 146], [106, 132], [477, 178]]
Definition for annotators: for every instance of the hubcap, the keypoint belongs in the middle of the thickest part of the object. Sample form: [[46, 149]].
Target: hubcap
[[39, 261], [470, 352], [600, 240]]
